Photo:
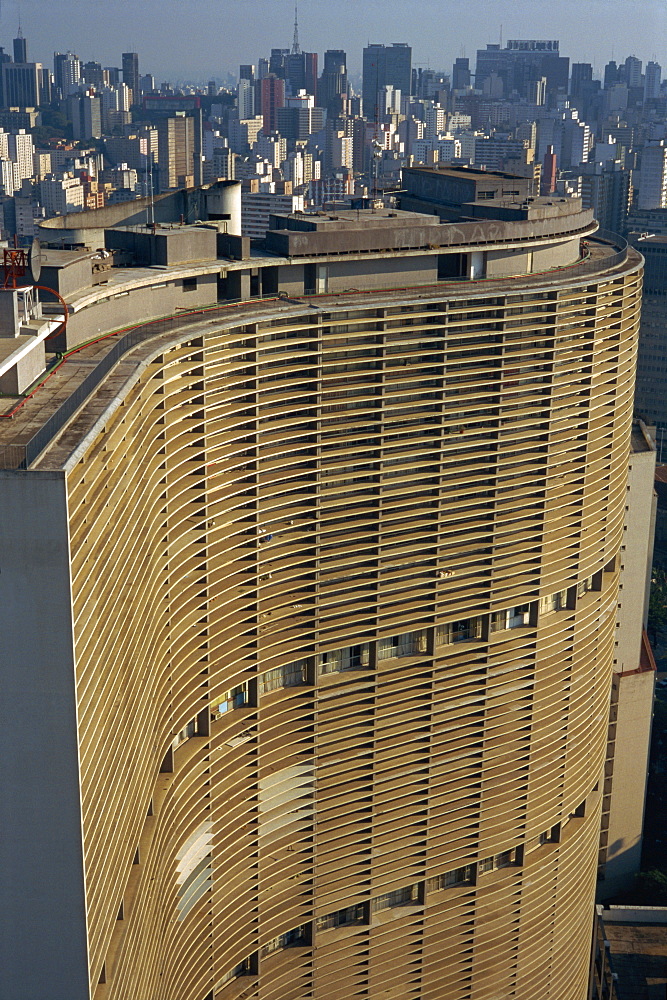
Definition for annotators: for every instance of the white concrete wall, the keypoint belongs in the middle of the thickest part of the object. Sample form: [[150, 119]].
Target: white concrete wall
[[43, 942]]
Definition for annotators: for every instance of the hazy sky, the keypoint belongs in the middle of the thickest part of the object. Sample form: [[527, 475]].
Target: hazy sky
[[198, 39]]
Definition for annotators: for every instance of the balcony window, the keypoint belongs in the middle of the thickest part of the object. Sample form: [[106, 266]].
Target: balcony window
[[289, 675], [553, 602], [399, 897], [290, 939], [406, 644], [506, 859], [340, 918], [236, 697], [515, 617], [348, 658], [464, 875], [458, 631]]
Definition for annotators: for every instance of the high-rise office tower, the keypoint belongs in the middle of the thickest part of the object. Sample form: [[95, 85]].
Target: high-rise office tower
[[611, 74], [333, 82], [131, 74], [521, 62], [278, 62], [385, 65], [582, 74], [308, 609], [23, 84], [461, 76], [652, 81], [20, 49], [633, 71], [272, 91]]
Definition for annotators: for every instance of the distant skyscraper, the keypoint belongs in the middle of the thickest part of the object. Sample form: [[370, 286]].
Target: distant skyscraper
[[131, 74], [333, 82], [93, 74], [20, 49], [22, 84], [521, 62], [385, 65], [66, 72], [247, 72], [461, 74], [113, 75], [272, 98], [652, 80], [277, 62], [245, 96], [633, 71], [610, 74], [582, 73]]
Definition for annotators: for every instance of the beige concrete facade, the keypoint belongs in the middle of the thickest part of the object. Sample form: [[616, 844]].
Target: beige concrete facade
[[339, 577]]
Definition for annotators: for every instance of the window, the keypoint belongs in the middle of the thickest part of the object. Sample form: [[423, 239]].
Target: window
[[407, 644], [290, 939], [510, 618], [590, 583], [506, 859], [399, 897], [553, 602], [290, 675], [190, 284], [459, 876], [349, 658], [459, 631], [184, 734], [236, 697], [244, 968], [350, 915]]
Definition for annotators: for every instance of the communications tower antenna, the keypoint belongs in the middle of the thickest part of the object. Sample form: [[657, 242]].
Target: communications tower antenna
[[296, 48]]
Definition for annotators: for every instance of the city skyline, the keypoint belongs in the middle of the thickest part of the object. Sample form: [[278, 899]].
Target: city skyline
[[349, 25]]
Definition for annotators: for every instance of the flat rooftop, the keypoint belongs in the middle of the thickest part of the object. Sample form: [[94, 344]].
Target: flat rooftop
[[461, 173], [639, 958], [350, 219]]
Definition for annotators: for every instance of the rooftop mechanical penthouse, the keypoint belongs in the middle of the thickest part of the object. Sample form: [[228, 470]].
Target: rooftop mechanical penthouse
[[307, 599]]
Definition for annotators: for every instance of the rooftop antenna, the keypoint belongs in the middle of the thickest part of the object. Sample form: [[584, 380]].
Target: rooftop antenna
[[296, 48], [501, 36]]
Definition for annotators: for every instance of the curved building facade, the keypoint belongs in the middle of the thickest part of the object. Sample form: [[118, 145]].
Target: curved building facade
[[329, 586]]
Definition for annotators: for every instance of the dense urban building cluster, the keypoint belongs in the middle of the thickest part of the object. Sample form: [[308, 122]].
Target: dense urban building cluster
[[299, 135], [327, 512]]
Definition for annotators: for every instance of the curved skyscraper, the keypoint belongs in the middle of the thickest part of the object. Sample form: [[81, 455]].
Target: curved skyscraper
[[311, 609]]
